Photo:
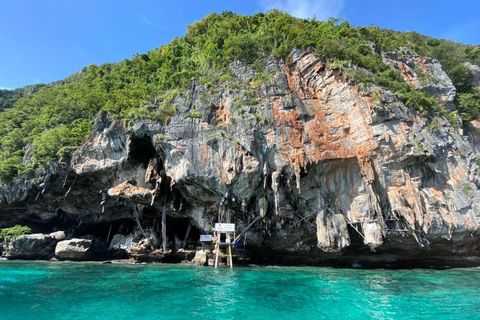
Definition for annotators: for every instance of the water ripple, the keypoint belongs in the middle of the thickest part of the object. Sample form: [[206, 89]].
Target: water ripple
[[93, 291]]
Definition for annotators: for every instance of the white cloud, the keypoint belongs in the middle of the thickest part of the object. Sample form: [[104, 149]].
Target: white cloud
[[149, 23], [5, 88], [322, 9], [144, 18]]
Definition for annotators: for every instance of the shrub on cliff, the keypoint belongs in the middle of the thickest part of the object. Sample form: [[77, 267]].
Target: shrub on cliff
[[469, 104], [13, 232]]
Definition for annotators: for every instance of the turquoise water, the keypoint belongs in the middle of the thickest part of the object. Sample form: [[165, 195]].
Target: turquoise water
[[46, 290]]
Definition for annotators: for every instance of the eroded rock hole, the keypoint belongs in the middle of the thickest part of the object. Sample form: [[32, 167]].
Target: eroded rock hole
[[177, 229], [141, 149], [105, 230]]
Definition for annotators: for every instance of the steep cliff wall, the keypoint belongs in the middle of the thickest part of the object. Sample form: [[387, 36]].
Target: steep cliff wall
[[337, 173]]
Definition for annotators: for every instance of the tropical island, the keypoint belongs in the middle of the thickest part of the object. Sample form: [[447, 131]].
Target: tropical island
[[325, 144]]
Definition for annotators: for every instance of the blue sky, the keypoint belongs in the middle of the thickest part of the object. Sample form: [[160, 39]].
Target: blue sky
[[47, 40]]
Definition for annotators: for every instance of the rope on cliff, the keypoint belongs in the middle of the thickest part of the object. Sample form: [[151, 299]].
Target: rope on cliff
[[248, 227], [69, 189], [137, 218], [304, 218], [354, 227], [47, 180], [43, 186], [66, 177]]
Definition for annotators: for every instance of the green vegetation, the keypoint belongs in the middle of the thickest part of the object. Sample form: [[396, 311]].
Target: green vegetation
[[419, 145], [54, 120], [193, 114], [251, 102], [468, 104], [9, 97], [467, 189], [15, 231], [434, 125]]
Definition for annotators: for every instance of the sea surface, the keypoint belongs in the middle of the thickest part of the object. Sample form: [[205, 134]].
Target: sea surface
[[60, 290]]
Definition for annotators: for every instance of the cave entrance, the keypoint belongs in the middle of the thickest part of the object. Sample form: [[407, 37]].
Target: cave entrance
[[141, 149], [177, 229], [105, 230]]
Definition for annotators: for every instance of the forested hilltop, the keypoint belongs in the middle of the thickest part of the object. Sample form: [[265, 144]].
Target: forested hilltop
[[41, 124]]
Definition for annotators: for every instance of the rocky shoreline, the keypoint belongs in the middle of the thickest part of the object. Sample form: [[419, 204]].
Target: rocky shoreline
[[135, 250]]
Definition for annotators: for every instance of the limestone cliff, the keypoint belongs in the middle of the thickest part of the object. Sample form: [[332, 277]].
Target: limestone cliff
[[337, 173]]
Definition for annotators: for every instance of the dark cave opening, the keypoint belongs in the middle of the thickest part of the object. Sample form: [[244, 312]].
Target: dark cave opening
[[79, 228], [178, 227], [105, 230], [356, 240], [141, 149]]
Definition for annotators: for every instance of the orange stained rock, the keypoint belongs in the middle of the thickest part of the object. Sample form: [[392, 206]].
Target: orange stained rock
[[436, 193], [366, 168], [127, 190], [311, 141], [206, 154], [299, 158], [223, 114], [284, 117], [295, 138], [292, 80], [421, 62], [365, 150], [405, 72]]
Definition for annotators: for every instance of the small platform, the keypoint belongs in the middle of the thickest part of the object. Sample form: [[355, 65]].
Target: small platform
[[224, 236]]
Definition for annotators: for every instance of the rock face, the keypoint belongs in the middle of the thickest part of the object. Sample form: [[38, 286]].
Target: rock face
[[200, 259], [33, 246], [423, 73], [74, 249], [476, 73], [336, 173], [136, 246]]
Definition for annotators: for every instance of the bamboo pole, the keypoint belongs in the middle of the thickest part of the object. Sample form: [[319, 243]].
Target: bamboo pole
[[187, 233], [137, 218], [246, 229], [164, 226], [217, 249], [109, 231], [230, 256]]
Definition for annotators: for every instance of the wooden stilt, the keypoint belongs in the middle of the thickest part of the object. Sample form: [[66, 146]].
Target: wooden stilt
[[186, 234], [137, 218], [223, 238], [217, 249], [109, 231], [230, 256]]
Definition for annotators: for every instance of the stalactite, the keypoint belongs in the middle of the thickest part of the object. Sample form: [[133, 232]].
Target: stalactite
[[332, 232], [262, 206], [137, 219], [276, 189]]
